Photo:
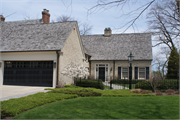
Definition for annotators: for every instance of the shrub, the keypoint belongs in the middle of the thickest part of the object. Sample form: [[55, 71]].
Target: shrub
[[79, 92], [162, 85], [90, 83], [125, 81], [68, 86], [143, 85], [4, 114], [176, 92]]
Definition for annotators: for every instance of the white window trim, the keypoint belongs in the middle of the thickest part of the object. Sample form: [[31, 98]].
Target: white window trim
[[122, 72], [144, 72]]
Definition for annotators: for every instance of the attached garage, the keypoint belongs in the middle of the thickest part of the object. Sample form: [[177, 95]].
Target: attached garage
[[28, 73]]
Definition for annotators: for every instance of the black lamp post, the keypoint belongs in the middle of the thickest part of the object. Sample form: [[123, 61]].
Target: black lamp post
[[130, 57]]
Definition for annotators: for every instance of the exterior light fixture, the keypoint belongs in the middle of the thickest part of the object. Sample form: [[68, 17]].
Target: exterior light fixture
[[111, 69], [0, 64], [54, 65], [130, 57]]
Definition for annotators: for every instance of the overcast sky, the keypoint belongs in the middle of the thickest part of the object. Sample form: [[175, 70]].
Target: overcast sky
[[78, 9], [115, 17]]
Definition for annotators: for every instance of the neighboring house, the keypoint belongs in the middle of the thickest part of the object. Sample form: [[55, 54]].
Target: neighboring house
[[34, 52], [109, 55]]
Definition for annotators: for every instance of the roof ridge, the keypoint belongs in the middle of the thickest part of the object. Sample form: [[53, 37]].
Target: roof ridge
[[21, 20], [116, 34]]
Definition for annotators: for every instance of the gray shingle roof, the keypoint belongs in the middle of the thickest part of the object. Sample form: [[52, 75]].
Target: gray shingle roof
[[37, 37], [7, 27], [86, 51], [119, 46]]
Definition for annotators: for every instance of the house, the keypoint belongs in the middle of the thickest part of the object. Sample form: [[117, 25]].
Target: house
[[109, 55], [34, 52]]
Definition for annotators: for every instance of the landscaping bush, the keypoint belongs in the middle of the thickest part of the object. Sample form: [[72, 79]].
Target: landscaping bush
[[90, 83], [4, 113], [162, 85], [143, 85], [79, 92], [122, 81]]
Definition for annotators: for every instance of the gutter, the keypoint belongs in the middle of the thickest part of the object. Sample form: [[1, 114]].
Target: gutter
[[114, 69], [29, 51], [57, 76]]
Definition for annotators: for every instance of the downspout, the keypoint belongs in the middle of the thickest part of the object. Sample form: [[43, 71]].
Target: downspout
[[57, 76], [89, 67], [114, 69]]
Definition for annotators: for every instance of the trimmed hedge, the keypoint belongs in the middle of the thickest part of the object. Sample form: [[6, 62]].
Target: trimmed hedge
[[143, 85], [90, 83], [163, 85], [81, 92], [126, 81]]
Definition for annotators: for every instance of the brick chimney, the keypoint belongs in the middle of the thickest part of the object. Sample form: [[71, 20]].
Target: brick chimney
[[2, 18], [107, 32], [45, 16]]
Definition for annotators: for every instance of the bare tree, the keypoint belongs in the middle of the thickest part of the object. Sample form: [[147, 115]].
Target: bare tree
[[161, 62], [164, 23], [120, 4], [154, 81], [84, 28], [64, 18]]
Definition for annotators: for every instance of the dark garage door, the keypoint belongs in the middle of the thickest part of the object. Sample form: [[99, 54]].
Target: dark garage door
[[28, 73]]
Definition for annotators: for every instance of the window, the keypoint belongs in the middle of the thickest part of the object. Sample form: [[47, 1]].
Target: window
[[8, 64], [141, 73], [125, 73]]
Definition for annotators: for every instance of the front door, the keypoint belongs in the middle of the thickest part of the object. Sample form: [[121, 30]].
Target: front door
[[102, 73]]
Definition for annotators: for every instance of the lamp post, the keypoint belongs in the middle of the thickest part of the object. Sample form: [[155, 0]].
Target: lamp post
[[130, 57]]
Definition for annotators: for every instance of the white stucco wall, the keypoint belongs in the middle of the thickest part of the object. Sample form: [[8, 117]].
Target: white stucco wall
[[72, 52], [28, 56]]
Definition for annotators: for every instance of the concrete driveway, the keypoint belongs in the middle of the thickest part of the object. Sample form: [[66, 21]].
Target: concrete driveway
[[10, 91]]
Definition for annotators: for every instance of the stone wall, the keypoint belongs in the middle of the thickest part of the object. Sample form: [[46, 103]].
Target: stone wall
[[119, 64], [71, 52]]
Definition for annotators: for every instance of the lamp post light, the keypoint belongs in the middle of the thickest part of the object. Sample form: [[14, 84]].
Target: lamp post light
[[130, 57]]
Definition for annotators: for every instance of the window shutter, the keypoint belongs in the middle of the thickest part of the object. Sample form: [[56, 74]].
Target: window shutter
[[147, 72], [136, 72], [119, 72]]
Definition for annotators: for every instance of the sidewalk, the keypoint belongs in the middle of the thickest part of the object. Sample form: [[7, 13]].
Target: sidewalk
[[115, 86]]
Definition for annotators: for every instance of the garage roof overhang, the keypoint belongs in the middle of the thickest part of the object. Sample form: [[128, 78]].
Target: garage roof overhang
[[30, 51]]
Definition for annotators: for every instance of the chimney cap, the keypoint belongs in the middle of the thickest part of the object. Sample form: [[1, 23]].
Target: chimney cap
[[107, 32], [45, 10], [2, 18]]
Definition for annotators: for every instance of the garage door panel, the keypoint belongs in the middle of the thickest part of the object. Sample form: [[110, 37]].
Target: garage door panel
[[36, 73]]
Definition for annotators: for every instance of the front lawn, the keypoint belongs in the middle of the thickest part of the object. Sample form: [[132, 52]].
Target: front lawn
[[127, 85], [18, 105], [157, 107]]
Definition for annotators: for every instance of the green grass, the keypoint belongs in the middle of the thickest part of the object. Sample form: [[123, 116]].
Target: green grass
[[18, 105], [115, 93], [120, 93], [158, 107], [107, 87]]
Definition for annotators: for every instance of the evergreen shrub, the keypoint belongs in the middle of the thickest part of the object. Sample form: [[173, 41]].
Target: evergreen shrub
[[90, 83]]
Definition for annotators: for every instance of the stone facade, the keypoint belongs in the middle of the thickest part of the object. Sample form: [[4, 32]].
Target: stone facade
[[71, 52], [123, 64]]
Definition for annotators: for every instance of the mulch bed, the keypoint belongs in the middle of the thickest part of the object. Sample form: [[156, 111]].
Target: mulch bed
[[157, 93]]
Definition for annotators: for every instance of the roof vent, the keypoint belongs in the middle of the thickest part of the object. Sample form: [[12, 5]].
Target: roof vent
[[107, 32]]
